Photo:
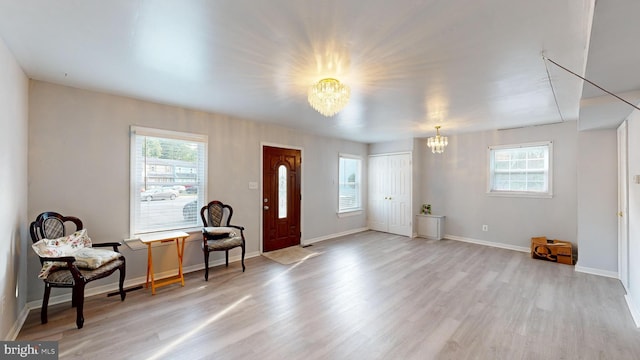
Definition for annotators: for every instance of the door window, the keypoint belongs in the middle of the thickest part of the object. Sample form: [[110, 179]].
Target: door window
[[282, 192]]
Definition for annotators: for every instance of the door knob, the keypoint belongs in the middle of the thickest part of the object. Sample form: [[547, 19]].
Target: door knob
[[266, 207]]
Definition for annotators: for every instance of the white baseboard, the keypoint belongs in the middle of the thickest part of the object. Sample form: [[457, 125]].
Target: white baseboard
[[15, 329], [488, 243], [635, 312], [592, 271], [141, 280], [332, 236]]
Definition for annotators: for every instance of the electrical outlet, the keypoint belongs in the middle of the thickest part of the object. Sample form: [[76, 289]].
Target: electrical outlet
[[485, 227]]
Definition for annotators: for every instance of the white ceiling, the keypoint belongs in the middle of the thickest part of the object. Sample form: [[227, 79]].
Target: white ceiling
[[411, 64]]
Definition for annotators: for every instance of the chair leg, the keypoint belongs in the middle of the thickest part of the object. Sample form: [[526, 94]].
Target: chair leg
[[206, 265], [79, 294], [73, 298], [123, 272], [45, 303], [226, 257], [242, 258]]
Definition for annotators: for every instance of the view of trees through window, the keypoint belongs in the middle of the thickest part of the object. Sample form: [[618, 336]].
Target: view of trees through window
[[170, 149], [168, 178]]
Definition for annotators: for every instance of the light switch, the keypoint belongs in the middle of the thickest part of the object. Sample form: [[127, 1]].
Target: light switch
[[253, 185]]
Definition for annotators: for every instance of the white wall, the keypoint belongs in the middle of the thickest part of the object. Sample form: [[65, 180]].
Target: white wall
[[455, 184], [13, 192], [79, 165], [405, 145], [597, 202], [633, 132]]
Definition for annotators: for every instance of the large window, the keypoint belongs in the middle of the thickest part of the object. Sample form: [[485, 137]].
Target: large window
[[349, 183], [168, 180], [521, 170]]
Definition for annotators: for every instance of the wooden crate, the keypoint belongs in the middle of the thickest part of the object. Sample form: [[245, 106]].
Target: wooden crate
[[552, 250]]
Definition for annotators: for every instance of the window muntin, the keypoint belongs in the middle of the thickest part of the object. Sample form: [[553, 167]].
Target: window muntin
[[521, 169], [168, 180], [349, 183]]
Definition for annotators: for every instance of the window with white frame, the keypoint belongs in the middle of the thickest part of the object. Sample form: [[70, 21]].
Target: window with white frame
[[349, 183], [168, 180], [521, 169]]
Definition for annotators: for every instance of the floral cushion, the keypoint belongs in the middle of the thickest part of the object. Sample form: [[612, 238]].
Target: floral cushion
[[77, 245], [63, 246]]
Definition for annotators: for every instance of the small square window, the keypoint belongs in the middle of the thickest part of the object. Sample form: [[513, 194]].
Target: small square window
[[521, 170]]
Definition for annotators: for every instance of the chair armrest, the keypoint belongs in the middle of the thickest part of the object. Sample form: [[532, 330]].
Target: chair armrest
[[114, 245], [208, 236], [68, 259]]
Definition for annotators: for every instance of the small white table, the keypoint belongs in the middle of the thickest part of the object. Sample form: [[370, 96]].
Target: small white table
[[179, 237], [430, 226]]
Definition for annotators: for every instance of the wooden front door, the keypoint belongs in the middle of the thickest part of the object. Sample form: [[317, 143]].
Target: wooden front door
[[281, 198]]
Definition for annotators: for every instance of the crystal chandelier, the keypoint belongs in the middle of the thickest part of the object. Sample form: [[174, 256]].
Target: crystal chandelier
[[328, 96], [437, 143]]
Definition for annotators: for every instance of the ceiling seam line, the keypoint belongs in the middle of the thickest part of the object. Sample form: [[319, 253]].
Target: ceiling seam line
[[553, 90]]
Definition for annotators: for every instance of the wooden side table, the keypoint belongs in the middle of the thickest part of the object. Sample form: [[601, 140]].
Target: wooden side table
[[179, 237]]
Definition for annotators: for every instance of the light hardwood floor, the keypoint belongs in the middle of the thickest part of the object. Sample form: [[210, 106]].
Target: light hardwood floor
[[368, 296]]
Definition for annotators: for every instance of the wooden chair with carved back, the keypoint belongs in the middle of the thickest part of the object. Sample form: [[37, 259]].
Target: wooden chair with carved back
[[218, 234], [68, 274]]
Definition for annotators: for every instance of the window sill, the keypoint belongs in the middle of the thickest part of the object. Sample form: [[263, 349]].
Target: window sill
[[520, 194], [349, 213]]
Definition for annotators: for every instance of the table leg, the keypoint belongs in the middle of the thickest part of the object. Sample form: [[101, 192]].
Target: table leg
[[150, 270], [180, 250], [146, 284]]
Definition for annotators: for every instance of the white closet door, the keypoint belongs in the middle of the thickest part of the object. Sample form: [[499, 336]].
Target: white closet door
[[378, 202], [399, 172], [623, 208], [389, 208]]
